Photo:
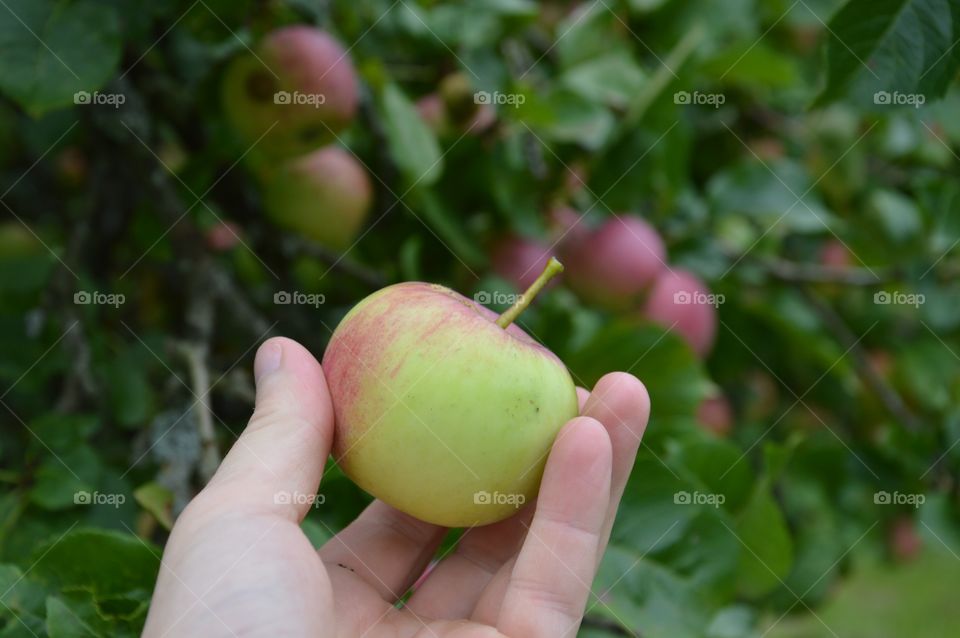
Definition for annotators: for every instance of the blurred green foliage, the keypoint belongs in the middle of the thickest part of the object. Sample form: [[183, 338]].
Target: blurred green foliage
[[756, 135]]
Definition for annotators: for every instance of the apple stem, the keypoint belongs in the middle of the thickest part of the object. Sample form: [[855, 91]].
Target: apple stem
[[553, 268]]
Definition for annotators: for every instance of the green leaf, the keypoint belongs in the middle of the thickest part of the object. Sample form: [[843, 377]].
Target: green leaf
[[49, 50], [63, 622], [753, 65], [645, 598], [671, 372], [767, 547], [103, 562], [720, 468], [60, 479], [904, 46], [22, 596], [413, 145], [769, 194], [157, 500], [612, 79]]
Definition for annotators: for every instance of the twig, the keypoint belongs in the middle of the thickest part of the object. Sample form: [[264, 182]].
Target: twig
[[795, 272], [200, 318], [196, 357], [867, 372]]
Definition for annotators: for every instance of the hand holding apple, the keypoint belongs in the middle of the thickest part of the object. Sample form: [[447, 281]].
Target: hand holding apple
[[237, 541]]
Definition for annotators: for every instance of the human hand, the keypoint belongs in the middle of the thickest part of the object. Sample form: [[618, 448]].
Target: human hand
[[238, 564]]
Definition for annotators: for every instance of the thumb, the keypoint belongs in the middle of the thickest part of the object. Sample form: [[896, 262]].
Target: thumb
[[277, 462]]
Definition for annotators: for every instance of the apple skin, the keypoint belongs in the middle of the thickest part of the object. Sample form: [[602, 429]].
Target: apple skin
[[304, 60], [520, 260], [325, 196], [614, 265], [695, 322], [434, 402]]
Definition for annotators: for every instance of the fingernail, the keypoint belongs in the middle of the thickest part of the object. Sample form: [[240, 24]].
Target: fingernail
[[268, 359]]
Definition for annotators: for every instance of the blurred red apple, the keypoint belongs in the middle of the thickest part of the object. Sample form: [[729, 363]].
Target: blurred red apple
[[223, 236], [904, 541], [715, 414], [520, 260], [681, 301], [614, 265], [834, 254]]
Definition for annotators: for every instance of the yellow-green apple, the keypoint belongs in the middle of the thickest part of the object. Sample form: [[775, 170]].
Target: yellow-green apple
[[519, 260], [614, 265], [443, 409], [680, 301], [292, 94], [325, 196]]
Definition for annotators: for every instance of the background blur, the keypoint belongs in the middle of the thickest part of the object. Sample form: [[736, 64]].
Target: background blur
[[797, 479]]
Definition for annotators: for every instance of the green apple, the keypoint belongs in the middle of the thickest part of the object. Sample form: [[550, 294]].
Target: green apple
[[325, 196], [443, 409], [292, 94]]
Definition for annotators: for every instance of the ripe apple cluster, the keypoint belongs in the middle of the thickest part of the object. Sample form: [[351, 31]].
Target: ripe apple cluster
[[621, 265], [287, 100]]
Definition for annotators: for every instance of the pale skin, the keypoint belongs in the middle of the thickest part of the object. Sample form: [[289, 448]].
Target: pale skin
[[237, 563]]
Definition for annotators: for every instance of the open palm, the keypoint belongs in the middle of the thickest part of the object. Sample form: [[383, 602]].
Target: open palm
[[237, 563]]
